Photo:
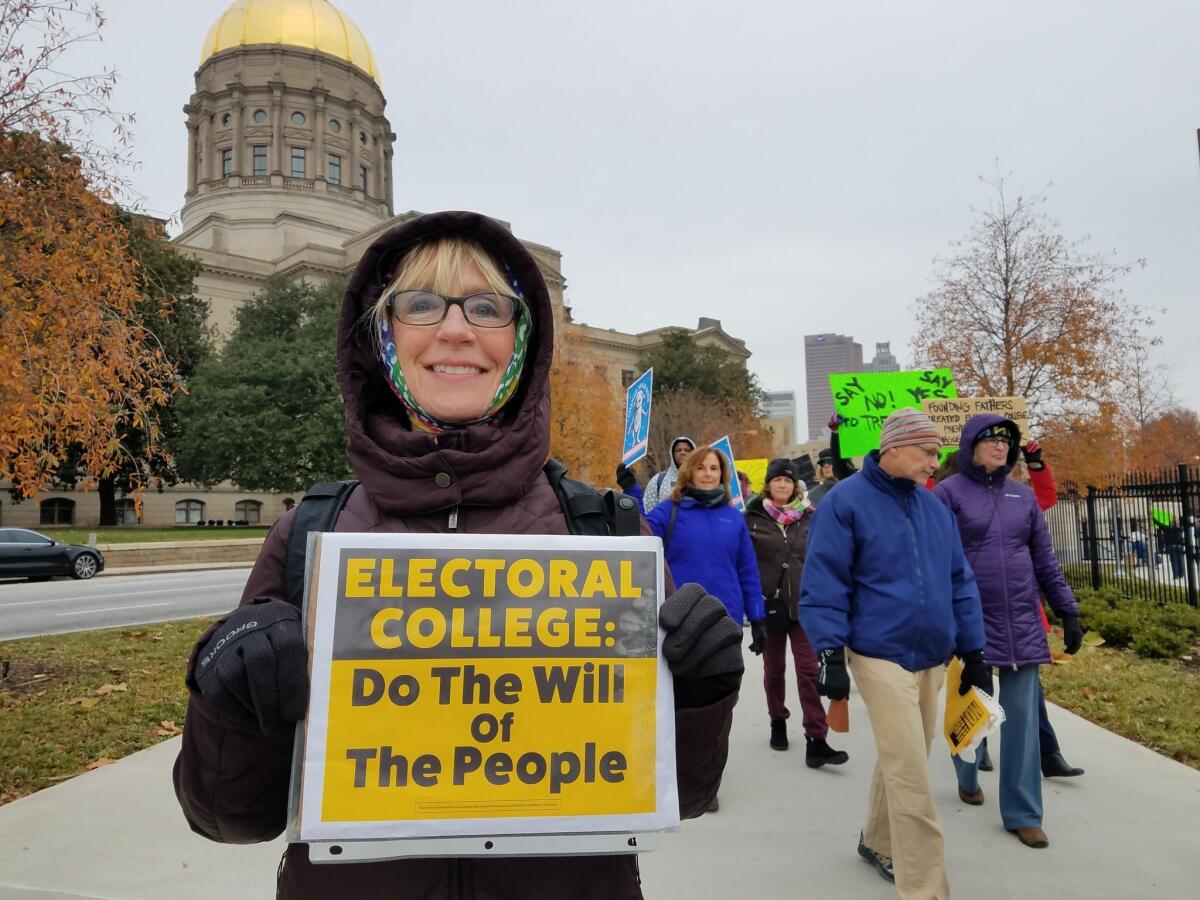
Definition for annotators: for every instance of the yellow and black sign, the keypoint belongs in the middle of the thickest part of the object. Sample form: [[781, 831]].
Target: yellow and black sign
[[471, 684]]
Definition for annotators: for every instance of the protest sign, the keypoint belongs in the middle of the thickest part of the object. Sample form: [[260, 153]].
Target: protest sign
[[472, 686], [756, 471], [951, 415], [638, 397], [865, 399], [723, 447]]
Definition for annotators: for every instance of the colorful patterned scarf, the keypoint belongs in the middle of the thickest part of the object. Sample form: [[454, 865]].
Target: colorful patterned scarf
[[508, 381], [786, 515]]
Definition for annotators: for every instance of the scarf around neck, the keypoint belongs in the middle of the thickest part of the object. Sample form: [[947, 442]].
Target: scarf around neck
[[709, 498], [787, 514]]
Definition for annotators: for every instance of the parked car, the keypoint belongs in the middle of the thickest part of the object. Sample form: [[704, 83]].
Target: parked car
[[28, 554]]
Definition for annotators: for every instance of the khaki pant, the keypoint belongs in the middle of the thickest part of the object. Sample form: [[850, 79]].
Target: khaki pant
[[902, 821]]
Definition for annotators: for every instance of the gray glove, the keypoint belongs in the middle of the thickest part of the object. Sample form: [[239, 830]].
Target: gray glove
[[254, 668], [703, 647]]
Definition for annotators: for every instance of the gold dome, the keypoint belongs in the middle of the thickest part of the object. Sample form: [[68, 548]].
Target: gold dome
[[312, 24]]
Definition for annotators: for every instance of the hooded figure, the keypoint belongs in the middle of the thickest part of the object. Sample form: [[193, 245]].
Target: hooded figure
[[1007, 543], [447, 409], [660, 486]]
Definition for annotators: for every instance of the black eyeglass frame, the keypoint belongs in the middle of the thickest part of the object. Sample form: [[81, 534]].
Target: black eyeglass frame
[[460, 302]]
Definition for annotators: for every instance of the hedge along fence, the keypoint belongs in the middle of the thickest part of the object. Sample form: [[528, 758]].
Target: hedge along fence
[[1150, 629]]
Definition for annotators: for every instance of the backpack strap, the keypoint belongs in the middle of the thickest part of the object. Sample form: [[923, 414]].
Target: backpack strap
[[317, 512], [589, 512], [666, 538]]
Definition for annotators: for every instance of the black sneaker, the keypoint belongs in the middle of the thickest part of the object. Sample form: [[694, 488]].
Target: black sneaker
[[817, 753], [882, 864], [779, 739]]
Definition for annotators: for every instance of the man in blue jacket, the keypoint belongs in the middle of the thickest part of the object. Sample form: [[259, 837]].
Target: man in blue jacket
[[885, 577]]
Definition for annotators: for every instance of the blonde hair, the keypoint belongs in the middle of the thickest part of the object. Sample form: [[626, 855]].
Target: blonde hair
[[684, 479], [433, 266]]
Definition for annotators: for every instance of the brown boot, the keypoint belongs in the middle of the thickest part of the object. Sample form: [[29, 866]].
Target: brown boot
[[975, 799], [1032, 836]]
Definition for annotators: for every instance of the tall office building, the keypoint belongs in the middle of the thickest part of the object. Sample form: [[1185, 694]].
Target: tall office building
[[823, 354], [883, 361], [780, 413]]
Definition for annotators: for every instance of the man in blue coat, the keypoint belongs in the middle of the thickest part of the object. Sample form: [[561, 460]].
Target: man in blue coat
[[885, 577]]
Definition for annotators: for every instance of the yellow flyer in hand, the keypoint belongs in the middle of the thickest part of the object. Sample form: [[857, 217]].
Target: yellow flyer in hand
[[970, 717]]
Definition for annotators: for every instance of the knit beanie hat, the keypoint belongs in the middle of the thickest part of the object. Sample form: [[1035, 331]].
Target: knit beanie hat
[[784, 467], [906, 427]]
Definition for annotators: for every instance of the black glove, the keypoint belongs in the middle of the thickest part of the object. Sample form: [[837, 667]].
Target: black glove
[[976, 673], [703, 647], [1072, 633], [254, 669], [758, 637], [625, 478], [833, 681], [1033, 455]]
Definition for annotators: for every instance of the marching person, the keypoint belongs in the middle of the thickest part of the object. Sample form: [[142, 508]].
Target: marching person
[[661, 484], [778, 520], [1008, 543], [887, 589], [444, 351], [830, 464]]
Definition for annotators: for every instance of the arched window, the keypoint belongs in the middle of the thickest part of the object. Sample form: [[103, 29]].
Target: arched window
[[248, 511], [288, 503], [126, 512], [189, 512], [57, 511]]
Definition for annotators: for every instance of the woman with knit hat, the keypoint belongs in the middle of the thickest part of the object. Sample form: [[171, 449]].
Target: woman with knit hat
[[778, 520], [1008, 544], [444, 353]]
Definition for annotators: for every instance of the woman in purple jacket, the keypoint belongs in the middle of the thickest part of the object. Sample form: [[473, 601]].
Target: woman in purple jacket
[[1007, 543]]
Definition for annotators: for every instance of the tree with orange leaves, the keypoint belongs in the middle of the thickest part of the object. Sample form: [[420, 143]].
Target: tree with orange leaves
[[1168, 439], [586, 427], [76, 365], [1022, 311]]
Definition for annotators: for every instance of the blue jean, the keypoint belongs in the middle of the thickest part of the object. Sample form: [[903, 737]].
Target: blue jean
[[1047, 739], [1020, 755]]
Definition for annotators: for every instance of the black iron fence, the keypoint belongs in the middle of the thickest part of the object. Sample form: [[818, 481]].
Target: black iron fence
[[1137, 534]]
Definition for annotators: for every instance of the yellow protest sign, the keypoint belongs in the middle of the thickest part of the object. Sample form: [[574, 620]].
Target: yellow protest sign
[[476, 685], [756, 471], [951, 414], [969, 717]]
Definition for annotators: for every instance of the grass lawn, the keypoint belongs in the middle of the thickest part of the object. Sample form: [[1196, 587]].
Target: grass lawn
[[135, 535], [1152, 701], [70, 701]]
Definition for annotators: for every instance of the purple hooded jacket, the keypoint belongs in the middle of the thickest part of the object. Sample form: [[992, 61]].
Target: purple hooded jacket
[[1007, 543]]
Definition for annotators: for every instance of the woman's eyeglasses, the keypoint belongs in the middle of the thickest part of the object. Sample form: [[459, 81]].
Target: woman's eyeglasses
[[996, 440], [484, 310]]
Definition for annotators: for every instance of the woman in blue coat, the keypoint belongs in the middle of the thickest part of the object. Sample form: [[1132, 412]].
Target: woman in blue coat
[[1008, 546], [705, 540]]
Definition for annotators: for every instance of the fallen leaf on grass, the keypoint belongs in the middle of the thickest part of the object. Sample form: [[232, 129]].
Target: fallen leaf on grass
[[1059, 659], [168, 728], [106, 689], [1089, 694], [97, 763], [84, 702], [1093, 639]]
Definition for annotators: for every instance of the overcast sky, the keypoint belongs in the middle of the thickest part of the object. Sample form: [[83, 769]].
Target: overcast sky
[[787, 168]]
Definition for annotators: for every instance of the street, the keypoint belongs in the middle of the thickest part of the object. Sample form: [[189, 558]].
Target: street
[[62, 605]]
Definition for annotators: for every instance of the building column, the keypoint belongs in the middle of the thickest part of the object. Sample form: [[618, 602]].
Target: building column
[[192, 128], [239, 133], [352, 124], [318, 116], [387, 172], [277, 129], [206, 151]]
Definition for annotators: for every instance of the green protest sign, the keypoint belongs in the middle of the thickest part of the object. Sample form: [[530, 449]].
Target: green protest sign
[[865, 399]]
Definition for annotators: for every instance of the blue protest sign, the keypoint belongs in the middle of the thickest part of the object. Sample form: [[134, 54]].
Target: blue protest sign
[[735, 487], [637, 418]]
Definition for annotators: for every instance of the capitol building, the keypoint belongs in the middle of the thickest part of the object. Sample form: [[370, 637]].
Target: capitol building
[[289, 173]]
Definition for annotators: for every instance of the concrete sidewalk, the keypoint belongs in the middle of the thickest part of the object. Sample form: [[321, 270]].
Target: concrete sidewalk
[[1129, 828]]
